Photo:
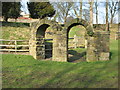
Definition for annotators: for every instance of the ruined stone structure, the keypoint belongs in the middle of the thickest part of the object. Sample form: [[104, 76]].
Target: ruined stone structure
[[117, 36], [37, 41], [97, 42]]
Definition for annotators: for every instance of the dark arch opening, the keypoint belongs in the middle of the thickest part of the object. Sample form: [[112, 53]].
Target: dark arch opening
[[43, 45], [41, 31], [78, 54]]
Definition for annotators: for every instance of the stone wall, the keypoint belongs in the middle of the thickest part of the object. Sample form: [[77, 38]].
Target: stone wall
[[98, 46], [102, 42], [60, 46], [117, 36], [91, 50]]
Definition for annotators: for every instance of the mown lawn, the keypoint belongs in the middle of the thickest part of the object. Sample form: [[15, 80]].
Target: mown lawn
[[22, 71]]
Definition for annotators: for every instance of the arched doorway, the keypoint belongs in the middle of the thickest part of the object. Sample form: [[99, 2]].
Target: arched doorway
[[43, 42], [76, 44], [90, 52], [40, 46]]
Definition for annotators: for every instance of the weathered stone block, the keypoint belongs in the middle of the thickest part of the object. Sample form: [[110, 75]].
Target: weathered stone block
[[102, 45], [91, 54], [104, 56]]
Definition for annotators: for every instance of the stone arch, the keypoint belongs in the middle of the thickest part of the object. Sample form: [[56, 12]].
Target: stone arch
[[38, 28], [77, 21], [61, 41], [40, 33], [97, 46], [97, 41], [90, 53]]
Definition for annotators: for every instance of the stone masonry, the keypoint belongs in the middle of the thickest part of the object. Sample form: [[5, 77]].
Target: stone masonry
[[97, 42]]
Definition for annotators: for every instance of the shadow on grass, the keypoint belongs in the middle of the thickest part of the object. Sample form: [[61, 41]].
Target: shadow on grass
[[75, 56], [94, 82], [111, 54], [89, 77], [55, 81]]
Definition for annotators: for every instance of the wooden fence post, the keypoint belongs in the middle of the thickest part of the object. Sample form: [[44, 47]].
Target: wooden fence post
[[15, 45]]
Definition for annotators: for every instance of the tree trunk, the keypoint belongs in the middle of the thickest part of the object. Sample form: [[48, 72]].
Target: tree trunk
[[6, 19], [96, 12], [65, 18], [91, 12], [81, 9], [107, 26], [96, 18], [15, 19], [76, 13], [66, 14], [111, 21]]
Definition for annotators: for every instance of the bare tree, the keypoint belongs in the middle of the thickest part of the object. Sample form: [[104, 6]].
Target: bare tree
[[86, 14], [107, 15], [96, 11], [91, 11], [113, 7], [78, 9], [81, 9], [62, 10]]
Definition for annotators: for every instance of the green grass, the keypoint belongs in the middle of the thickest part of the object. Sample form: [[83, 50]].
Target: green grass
[[22, 71], [77, 30], [15, 33]]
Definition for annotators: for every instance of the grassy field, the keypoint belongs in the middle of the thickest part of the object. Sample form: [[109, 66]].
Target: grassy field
[[22, 71], [15, 33]]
